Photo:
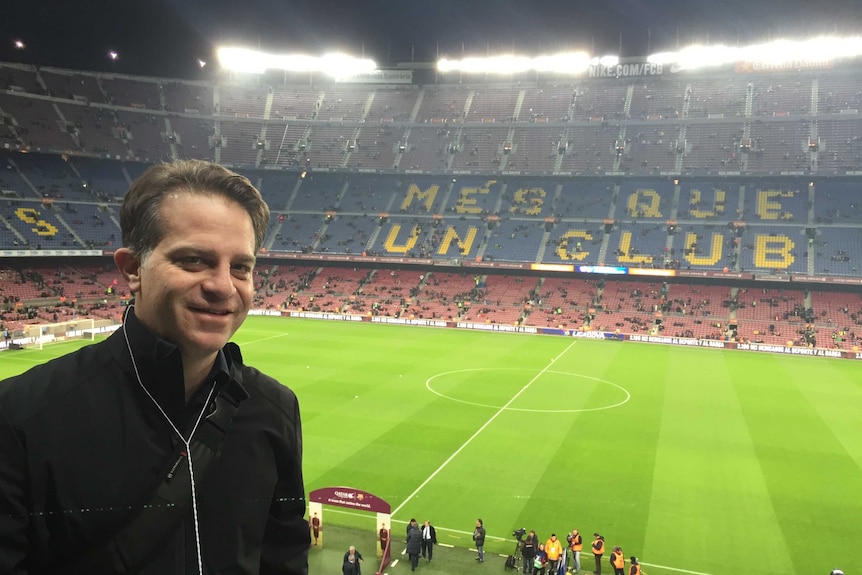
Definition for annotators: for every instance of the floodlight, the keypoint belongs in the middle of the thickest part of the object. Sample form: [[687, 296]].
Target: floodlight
[[254, 62], [778, 52], [201, 63], [565, 63], [446, 65], [113, 55], [242, 60], [341, 65], [19, 44], [503, 64]]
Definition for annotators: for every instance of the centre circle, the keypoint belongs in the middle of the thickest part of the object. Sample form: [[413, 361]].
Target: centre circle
[[528, 382]]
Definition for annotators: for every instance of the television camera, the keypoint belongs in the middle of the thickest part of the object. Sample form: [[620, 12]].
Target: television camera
[[519, 533], [514, 559]]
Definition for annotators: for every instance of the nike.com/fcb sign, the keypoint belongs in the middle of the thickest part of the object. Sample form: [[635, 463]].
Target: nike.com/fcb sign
[[626, 70]]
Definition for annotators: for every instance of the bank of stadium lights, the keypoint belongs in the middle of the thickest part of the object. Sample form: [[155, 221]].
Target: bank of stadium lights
[[779, 52], [821, 49], [254, 62], [564, 63]]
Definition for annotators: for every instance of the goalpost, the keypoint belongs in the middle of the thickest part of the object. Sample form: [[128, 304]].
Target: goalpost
[[44, 333]]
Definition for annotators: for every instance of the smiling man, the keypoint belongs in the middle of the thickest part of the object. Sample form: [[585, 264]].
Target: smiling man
[[158, 451]]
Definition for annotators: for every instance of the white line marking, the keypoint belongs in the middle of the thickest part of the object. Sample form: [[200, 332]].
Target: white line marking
[[253, 341], [576, 375], [394, 562], [358, 514], [673, 569], [480, 430]]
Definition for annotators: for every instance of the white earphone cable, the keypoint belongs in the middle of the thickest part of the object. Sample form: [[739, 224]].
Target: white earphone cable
[[186, 442]]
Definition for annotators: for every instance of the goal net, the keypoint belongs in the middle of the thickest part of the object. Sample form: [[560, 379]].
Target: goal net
[[42, 334]]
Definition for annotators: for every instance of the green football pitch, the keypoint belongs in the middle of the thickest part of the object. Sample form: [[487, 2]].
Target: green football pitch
[[697, 461]]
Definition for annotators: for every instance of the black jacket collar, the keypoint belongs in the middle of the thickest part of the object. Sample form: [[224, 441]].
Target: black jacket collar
[[160, 367]]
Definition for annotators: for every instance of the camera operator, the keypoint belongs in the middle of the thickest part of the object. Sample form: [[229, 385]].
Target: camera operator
[[529, 546]]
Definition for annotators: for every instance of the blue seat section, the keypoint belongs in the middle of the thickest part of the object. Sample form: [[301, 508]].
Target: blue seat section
[[37, 224], [779, 201], [529, 198], [8, 239], [135, 169], [439, 238], [456, 238], [318, 193], [93, 224], [472, 196], [104, 178], [52, 177], [11, 182], [774, 249], [516, 240], [638, 245], [298, 232], [837, 251], [370, 195], [562, 243], [275, 187], [644, 200], [837, 202], [419, 194], [702, 245], [708, 200], [588, 199], [507, 219], [347, 234]]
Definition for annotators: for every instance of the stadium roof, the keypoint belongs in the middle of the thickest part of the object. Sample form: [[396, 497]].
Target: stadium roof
[[169, 37]]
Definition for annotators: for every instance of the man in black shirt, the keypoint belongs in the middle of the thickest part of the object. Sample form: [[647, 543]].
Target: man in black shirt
[[111, 459]]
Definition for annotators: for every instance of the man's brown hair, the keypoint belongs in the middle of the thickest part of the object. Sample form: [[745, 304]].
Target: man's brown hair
[[140, 215]]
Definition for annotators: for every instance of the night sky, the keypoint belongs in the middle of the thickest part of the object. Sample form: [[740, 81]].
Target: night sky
[[167, 37]]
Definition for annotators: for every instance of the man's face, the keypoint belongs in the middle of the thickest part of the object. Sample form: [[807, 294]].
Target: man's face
[[195, 288]]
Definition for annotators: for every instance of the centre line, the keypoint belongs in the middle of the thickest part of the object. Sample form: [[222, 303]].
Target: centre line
[[480, 430]]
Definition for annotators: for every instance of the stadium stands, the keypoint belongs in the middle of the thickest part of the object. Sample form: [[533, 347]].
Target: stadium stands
[[546, 104], [188, 98], [193, 137], [369, 195], [443, 104], [741, 173], [95, 129], [392, 105], [493, 104], [37, 123]]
